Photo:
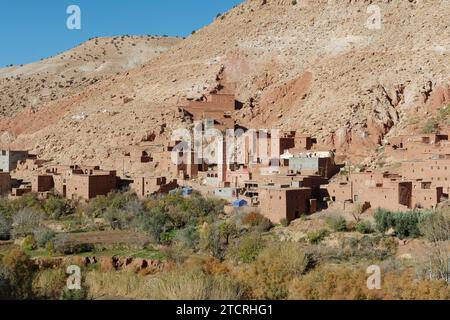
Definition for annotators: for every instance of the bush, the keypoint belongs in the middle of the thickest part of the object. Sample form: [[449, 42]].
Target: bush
[[315, 237], [435, 226], [5, 227], [336, 223], [247, 248], [215, 238], [383, 220], [29, 243], [68, 294], [342, 283], [189, 237], [43, 236], [25, 222], [364, 227], [284, 222], [18, 273], [431, 126], [405, 224], [157, 224], [269, 276], [49, 284], [56, 207], [257, 221], [366, 247], [117, 218], [64, 245], [436, 266]]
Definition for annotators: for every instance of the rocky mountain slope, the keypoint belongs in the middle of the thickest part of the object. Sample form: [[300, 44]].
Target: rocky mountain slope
[[314, 66], [68, 73]]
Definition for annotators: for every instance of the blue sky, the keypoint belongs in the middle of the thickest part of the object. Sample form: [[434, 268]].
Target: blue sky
[[35, 29]]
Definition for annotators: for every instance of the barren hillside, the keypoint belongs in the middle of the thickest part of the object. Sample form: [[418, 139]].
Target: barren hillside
[[313, 66], [29, 86]]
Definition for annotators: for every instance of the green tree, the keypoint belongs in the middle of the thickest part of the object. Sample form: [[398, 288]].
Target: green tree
[[383, 220], [56, 207]]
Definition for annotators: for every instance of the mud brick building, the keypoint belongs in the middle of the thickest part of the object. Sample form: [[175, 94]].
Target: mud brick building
[[314, 163], [42, 183], [383, 190], [5, 183], [217, 110], [10, 158], [148, 186], [90, 185], [437, 171], [425, 195], [417, 147], [76, 181], [284, 202]]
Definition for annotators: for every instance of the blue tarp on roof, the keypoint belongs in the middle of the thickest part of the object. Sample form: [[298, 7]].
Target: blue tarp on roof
[[239, 203], [186, 191]]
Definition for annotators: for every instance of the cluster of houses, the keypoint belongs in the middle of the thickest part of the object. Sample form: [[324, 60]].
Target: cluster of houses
[[282, 174]]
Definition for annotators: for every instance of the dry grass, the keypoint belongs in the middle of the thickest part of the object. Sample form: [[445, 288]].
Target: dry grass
[[116, 284], [181, 283]]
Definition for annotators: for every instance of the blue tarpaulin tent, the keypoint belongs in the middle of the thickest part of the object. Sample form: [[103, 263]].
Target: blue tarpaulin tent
[[239, 203]]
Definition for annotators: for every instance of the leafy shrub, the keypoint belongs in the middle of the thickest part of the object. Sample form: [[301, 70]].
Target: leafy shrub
[[315, 237], [277, 264], [383, 220], [215, 237], [29, 243], [117, 218], [5, 227], [405, 224], [189, 237], [43, 236], [157, 224], [79, 294], [247, 248], [258, 221], [56, 207], [431, 126], [25, 222], [50, 248], [64, 245], [364, 227], [366, 247], [435, 226], [17, 274], [336, 223]]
